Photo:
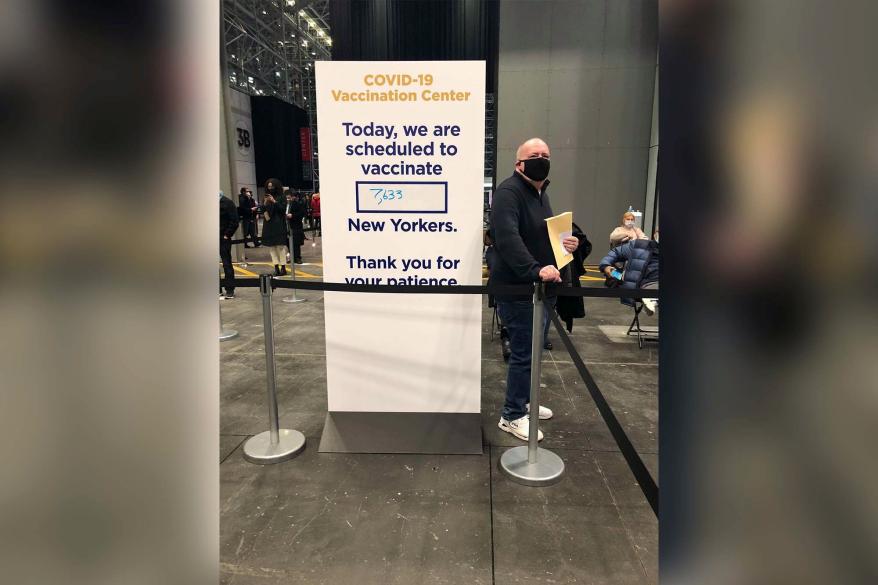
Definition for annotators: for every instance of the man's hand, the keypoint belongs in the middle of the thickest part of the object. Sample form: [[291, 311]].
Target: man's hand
[[226, 238], [550, 274], [289, 216], [570, 244]]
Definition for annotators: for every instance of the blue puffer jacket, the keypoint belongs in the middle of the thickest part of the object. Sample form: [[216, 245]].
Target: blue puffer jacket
[[642, 257]]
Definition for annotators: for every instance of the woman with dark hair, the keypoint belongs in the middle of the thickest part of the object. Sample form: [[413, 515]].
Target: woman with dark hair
[[274, 228]]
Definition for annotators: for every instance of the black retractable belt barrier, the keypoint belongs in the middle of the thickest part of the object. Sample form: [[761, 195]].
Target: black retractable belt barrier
[[240, 283], [635, 463]]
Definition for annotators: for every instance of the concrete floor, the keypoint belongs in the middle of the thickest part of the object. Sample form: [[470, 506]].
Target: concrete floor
[[405, 519]]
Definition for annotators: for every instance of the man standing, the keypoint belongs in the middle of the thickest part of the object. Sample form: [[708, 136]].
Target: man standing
[[228, 223], [522, 253], [246, 212], [295, 216]]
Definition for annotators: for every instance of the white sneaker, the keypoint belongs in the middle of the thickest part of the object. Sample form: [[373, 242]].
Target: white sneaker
[[649, 306], [518, 427], [545, 413]]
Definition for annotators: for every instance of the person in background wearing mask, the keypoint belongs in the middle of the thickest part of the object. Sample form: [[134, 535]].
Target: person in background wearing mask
[[246, 209], [274, 228], [308, 216], [228, 223], [626, 232], [315, 212], [522, 254]]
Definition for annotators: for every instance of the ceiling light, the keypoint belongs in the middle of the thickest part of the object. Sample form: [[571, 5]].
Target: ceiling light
[[291, 2]]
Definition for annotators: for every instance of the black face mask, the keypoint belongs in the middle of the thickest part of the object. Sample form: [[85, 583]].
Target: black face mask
[[536, 169]]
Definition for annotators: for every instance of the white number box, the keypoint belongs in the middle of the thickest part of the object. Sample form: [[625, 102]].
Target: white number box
[[402, 196]]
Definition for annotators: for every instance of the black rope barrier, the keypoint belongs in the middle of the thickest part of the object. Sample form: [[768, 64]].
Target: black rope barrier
[[635, 463], [524, 290]]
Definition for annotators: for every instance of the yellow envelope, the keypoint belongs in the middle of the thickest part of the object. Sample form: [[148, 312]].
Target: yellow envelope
[[560, 227]]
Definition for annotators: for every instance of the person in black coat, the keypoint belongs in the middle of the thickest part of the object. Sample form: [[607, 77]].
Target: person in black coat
[[570, 308], [295, 216], [228, 223], [246, 213], [274, 228]]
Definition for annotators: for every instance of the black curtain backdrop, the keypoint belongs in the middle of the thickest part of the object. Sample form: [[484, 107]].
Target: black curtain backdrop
[[417, 30], [276, 141]]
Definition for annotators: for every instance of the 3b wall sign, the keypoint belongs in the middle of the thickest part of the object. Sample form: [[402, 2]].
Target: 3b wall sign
[[244, 137]]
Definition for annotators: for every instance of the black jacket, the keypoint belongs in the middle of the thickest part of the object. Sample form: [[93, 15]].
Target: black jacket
[[294, 225], [570, 308], [518, 229], [228, 218], [245, 207], [274, 229]]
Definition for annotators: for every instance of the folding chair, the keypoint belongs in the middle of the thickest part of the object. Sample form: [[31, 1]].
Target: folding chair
[[651, 334]]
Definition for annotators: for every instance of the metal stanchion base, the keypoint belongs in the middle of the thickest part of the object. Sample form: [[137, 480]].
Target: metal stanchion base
[[258, 448], [227, 334], [292, 300], [547, 470]]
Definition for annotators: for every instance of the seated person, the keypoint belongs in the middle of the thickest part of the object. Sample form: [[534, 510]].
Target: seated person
[[626, 232], [641, 259]]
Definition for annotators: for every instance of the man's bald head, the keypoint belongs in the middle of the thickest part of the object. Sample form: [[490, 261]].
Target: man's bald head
[[532, 147]]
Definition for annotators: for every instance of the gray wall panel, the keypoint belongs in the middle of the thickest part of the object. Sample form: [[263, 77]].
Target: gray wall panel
[[580, 73], [577, 34], [631, 33], [621, 181], [574, 98], [525, 42], [626, 107], [522, 106]]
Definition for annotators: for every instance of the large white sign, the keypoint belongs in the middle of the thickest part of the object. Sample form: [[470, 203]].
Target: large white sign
[[401, 172]]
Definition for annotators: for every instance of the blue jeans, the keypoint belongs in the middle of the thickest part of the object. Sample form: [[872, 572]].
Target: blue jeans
[[517, 317]]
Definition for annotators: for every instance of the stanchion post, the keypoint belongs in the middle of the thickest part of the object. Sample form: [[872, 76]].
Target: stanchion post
[[536, 363], [533, 465], [294, 298], [275, 444]]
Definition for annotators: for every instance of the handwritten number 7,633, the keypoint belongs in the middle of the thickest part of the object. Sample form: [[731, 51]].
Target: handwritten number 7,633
[[381, 194]]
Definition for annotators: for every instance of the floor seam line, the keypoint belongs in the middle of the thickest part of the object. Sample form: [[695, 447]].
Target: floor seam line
[[238, 446]]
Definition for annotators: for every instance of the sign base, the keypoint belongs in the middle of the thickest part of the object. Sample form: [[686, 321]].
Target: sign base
[[402, 432]]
